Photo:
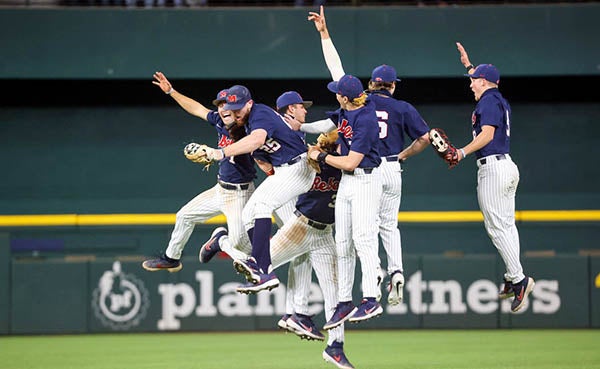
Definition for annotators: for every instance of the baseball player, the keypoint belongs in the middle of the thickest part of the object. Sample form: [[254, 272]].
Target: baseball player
[[497, 176], [286, 151], [396, 118], [358, 199], [229, 196], [309, 234]]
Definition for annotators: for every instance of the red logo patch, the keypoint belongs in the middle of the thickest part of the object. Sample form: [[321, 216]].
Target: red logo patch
[[345, 129], [231, 98]]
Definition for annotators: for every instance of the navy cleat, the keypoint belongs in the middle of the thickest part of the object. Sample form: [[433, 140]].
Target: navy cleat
[[304, 327], [282, 323], [368, 309], [343, 311], [249, 268], [335, 354], [507, 290], [521, 290], [266, 282], [162, 263], [211, 247], [396, 288]]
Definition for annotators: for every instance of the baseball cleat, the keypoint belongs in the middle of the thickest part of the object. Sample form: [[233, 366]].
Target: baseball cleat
[[521, 291], [282, 323], [249, 268], [211, 247], [266, 282], [369, 308], [343, 311], [162, 263], [396, 288], [335, 354], [304, 327], [507, 290]]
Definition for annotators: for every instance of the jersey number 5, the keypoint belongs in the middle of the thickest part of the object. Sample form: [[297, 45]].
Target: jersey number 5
[[382, 120]]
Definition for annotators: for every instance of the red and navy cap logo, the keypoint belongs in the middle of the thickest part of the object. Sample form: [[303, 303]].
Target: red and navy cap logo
[[231, 98], [222, 94]]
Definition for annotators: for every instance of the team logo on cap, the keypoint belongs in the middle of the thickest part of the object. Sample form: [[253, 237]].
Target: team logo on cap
[[231, 98], [222, 94]]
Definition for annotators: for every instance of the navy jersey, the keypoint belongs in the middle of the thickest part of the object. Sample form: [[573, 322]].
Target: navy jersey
[[318, 203], [282, 144], [395, 118], [236, 169], [358, 131], [492, 110]]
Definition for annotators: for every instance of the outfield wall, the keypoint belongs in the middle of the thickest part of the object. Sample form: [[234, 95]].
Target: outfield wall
[[84, 43], [104, 295]]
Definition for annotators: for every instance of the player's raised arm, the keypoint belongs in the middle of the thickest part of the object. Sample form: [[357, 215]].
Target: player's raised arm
[[332, 58], [464, 57], [190, 105]]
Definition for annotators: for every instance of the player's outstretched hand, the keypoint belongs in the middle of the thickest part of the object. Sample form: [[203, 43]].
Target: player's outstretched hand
[[292, 122], [162, 82], [464, 57], [318, 19]]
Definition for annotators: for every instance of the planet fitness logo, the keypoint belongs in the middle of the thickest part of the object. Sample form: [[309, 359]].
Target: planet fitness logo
[[121, 300]]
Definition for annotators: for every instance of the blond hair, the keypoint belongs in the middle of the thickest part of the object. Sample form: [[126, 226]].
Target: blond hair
[[360, 100]]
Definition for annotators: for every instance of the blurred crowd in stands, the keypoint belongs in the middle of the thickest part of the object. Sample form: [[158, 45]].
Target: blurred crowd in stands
[[283, 3]]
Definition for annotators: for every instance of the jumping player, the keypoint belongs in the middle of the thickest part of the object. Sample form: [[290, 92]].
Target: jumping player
[[358, 199], [497, 176], [229, 196], [286, 151], [396, 118], [310, 234]]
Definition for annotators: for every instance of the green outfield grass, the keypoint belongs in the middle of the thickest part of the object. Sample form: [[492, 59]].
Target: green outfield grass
[[414, 349]]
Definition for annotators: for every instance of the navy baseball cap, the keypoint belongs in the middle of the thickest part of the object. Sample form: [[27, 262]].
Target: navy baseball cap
[[348, 86], [384, 73], [237, 97], [220, 97], [487, 71], [291, 97]]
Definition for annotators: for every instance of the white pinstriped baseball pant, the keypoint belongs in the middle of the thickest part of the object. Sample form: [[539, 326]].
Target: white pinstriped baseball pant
[[210, 203], [356, 229], [297, 240], [391, 178], [497, 182]]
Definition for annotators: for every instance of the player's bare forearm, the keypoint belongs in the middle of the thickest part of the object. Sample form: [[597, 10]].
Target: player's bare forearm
[[415, 147], [349, 162], [247, 144], [190, 105], [483, 138]]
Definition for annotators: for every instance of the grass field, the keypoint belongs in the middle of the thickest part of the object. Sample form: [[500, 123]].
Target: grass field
[[414, 349]]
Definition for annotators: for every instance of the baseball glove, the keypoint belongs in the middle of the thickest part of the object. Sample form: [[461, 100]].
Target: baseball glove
[[327, 141], [198, 154], [443, 147]]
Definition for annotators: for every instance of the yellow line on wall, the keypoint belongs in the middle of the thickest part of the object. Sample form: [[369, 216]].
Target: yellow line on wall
[[81, 220]]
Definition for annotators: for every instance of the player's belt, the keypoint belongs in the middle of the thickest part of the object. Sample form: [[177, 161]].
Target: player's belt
[[234, 186], [310, 222], [391, 158], [482, 161], [296, 159], [353, 172]]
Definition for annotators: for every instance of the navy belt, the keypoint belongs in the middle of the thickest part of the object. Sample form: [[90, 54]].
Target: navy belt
[[295, 159], [482, 161], [391, 158], [365, 170], [232, 186], [312, 223]]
